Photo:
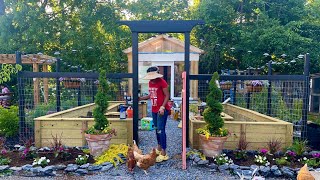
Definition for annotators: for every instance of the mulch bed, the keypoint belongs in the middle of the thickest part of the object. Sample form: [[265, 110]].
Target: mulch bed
[[16, 159]]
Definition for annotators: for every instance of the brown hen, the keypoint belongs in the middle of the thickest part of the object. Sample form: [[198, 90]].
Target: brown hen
[[146, 161], [131, 161]]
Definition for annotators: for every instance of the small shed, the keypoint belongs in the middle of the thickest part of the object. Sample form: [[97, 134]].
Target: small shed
[[167, 53]]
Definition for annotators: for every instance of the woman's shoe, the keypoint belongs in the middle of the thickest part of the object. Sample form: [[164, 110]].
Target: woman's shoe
[[158, 152], [161, 158]]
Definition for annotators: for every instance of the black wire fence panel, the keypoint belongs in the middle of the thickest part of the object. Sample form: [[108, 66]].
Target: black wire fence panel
[[279, 99], [40, 97]]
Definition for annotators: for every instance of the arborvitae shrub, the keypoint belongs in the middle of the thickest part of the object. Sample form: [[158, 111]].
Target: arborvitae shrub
[[212, 114], [101, 100]]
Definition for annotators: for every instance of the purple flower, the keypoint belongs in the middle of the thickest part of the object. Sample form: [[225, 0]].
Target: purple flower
[[316, 155], [263, 151], [256, 83], [291, 153], [61, 79], [3, 151], [25, 151]]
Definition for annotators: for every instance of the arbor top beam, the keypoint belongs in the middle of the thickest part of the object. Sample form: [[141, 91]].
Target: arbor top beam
[[27, 59], [167, 26]]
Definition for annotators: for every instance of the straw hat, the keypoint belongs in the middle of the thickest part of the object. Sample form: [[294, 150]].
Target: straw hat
[[152, 75]]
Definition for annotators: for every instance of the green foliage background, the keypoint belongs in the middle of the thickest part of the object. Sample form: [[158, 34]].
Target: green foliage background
[[90, 27]]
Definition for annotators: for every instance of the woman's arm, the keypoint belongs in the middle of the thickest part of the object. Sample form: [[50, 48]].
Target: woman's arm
[[144, 97], [166, 99]]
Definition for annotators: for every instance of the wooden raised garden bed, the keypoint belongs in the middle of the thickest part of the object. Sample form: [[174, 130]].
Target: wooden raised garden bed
[[71, 124], [257, 128]]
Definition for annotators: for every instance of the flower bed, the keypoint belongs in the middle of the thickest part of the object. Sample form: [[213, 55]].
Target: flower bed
[[257, 128]]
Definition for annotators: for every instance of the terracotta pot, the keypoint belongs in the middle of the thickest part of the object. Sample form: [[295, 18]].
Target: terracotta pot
[[98, 143], [251, 88], [212, 146]]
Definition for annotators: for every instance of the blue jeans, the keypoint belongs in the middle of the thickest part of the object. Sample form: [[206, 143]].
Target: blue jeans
[[160, 126]]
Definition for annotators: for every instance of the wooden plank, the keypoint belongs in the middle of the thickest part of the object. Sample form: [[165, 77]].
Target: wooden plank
[[36, 90], [45, 84], [64, 133], [37, 133], [253, 137], [266, 129]]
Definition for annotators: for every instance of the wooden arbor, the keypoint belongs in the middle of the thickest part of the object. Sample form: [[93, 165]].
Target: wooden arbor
[[35, 60]]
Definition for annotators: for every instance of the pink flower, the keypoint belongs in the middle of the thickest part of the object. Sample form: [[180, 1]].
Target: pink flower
[[263, 151]]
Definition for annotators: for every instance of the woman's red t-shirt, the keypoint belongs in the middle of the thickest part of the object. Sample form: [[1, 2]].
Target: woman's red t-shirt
[[157, 95]]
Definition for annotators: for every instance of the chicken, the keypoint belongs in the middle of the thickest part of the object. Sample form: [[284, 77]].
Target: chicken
[[146, 161], [131, 161], [136, 148]]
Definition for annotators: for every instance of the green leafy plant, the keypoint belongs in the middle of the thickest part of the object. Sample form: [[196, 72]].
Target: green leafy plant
[[9, 121], [4, 161], [212, 117], [283, 161], [274, 145], [223, 159], [6, 71], [82, 159], [101, 125], [299, 147], [312, 162], [239, 154]]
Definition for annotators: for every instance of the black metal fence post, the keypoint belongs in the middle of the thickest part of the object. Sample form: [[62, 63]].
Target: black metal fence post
[[187, 69], [269, 89], [234, 88], [22, 124], [79, 90], [135, 88], [58, 90], [305, 108]]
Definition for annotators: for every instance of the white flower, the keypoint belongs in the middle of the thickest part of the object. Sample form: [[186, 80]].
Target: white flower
[[304, 158], [264, 158], [87, 155], [79, 155], [34, 163], [226, 158], [299, 160], [220, 158], [48, 160], [256, 156], [223, 154]]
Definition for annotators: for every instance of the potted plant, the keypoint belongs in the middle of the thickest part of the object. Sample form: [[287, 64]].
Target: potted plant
[[72, 82], [99, 135], [213, 135], [254, 86], [226, 85]]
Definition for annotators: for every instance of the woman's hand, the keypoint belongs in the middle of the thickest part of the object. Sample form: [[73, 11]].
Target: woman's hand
[[161, 110]]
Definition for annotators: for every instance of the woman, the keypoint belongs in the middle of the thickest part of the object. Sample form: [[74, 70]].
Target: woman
[[4, 96], [159, 96]]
